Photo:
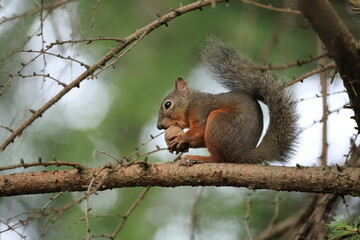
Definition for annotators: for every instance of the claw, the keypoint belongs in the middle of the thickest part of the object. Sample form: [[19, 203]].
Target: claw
[[186, 162], [189, 162]]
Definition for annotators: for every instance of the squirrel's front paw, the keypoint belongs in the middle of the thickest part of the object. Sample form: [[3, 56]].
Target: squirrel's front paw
[[178, 143]]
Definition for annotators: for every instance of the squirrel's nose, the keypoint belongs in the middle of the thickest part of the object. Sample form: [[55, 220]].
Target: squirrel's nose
[[160, 126]]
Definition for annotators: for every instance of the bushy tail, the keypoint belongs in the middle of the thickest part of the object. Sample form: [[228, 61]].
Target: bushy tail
[[238, 73]]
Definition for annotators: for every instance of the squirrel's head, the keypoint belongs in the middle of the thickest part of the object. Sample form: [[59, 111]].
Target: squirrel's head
[[173, 109]]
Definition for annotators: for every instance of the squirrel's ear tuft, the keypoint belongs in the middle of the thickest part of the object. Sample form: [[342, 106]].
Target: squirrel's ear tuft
[[181, 87]]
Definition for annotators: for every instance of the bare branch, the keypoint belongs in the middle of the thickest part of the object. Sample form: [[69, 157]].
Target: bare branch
[[102, 62], [298, 63], [338, 180], [79, 167], [55, 55], [269, 7], [49, 6], [313, 72], [194, 220], [247, 214], [129, 212]]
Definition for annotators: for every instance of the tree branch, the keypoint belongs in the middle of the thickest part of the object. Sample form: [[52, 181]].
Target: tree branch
[[337, 180], [340, 44], [48, 6], [101, 63]]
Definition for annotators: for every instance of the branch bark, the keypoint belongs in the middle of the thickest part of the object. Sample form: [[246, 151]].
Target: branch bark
[[342, 181]]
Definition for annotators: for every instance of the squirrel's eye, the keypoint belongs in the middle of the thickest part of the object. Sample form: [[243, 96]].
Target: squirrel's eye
[[167, 104]]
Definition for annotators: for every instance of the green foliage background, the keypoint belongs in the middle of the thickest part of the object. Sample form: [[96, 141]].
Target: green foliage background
[[137, 85]]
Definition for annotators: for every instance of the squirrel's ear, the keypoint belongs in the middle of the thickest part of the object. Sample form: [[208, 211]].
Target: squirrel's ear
[[181, 87]]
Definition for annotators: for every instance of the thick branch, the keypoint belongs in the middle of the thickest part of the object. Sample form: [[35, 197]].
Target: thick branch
[[340, 44], [305, 179]]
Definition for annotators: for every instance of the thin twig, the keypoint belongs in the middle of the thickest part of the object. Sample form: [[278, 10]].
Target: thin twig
[[94, 13], [276, 202], [56, 55], [269, 7], [194, 215], [318, 70], [337, 110], [297, 63], [101, 62], [324, 92], [61, 210], [103, 216], [34, 215], [49, 6], [247, 214], [17, 73], [107, 154], [79, 167], [321, 96], [44, 76], [152, 138], [7, 128], [120, 56], [9, 227], [87, 207], [42, 38], [86, 41], [129, 212], [281, 20], [22, 45]]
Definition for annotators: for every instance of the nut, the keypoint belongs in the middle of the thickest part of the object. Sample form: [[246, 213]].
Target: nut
[[171, 133]]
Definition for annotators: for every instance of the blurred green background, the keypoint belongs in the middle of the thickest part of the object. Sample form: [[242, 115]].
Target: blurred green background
[[117, 111]]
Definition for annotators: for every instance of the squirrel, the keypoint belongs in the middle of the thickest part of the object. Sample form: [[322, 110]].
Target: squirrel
[[230, 124]]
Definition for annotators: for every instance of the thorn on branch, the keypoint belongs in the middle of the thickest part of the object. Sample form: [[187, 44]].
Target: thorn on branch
[[177, 12], [339, 168], [165, 23], [32, 111]]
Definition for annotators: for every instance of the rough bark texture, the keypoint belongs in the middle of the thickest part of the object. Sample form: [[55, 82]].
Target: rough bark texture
[[305, 179]]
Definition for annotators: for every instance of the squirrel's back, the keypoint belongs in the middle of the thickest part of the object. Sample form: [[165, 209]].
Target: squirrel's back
[[238, 73]]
